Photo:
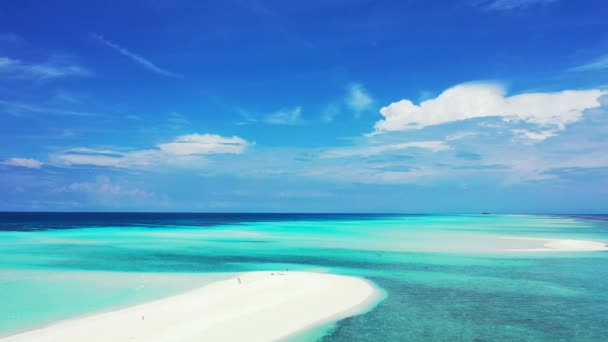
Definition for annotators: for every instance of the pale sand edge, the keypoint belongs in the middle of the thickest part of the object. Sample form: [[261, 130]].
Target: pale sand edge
[[362, 308], [559, 245], [266, 306]]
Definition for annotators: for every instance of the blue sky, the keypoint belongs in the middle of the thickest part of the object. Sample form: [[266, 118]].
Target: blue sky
[[348, 106]]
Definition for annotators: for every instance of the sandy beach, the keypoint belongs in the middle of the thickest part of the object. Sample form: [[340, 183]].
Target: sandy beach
[[254, 306]]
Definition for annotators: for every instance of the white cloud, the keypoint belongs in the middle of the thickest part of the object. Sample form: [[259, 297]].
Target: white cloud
[[55, 68], [285, 117], [477, 100], [461, 135], [85, 156], [185, 149], [530, 135], [598, 64], [136, 58], [366, 151], [194, 144], [358, 99], [23, 162]]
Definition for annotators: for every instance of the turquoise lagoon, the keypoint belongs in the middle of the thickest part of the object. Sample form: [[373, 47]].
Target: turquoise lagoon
[[447, 277]]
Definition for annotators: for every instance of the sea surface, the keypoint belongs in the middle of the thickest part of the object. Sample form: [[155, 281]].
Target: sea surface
[[447, 277]]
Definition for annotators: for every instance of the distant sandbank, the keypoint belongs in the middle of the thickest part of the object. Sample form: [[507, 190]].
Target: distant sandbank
[[557, 245], [254, 306]]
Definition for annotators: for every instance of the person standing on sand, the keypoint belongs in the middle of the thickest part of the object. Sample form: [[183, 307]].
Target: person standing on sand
[[239, 280]]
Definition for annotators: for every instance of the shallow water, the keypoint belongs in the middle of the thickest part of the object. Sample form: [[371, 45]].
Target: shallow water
[[448, 277]]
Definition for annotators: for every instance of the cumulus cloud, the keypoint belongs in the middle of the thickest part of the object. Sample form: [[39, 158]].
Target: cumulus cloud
[[285, 117], [55, 68], [358, 99], [552, 111], [183, 149], [23, 162], [366, 151]]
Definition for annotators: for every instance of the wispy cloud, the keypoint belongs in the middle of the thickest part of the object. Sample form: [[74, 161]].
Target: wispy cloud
[[135, 57], [10, 37], [285, 117], [372, 150], [358, 99], [278, 20], [197, 144], [598, 64], [65, 96], [116, 193], [134, 117], [329, 113], [506, 5], [55, 68], [524, 134], [18, 109], [246, 117], [23, 162], [177, 121], [105, 187], [185, 149]]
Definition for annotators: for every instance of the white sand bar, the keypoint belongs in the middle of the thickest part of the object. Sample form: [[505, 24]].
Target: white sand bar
[[558, 245], [263, 306]]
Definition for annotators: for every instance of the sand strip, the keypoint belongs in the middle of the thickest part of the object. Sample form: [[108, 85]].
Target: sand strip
[[558, 245], [255, 306]]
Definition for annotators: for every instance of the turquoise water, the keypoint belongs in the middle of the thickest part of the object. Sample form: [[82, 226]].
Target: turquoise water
[[448, 278]]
